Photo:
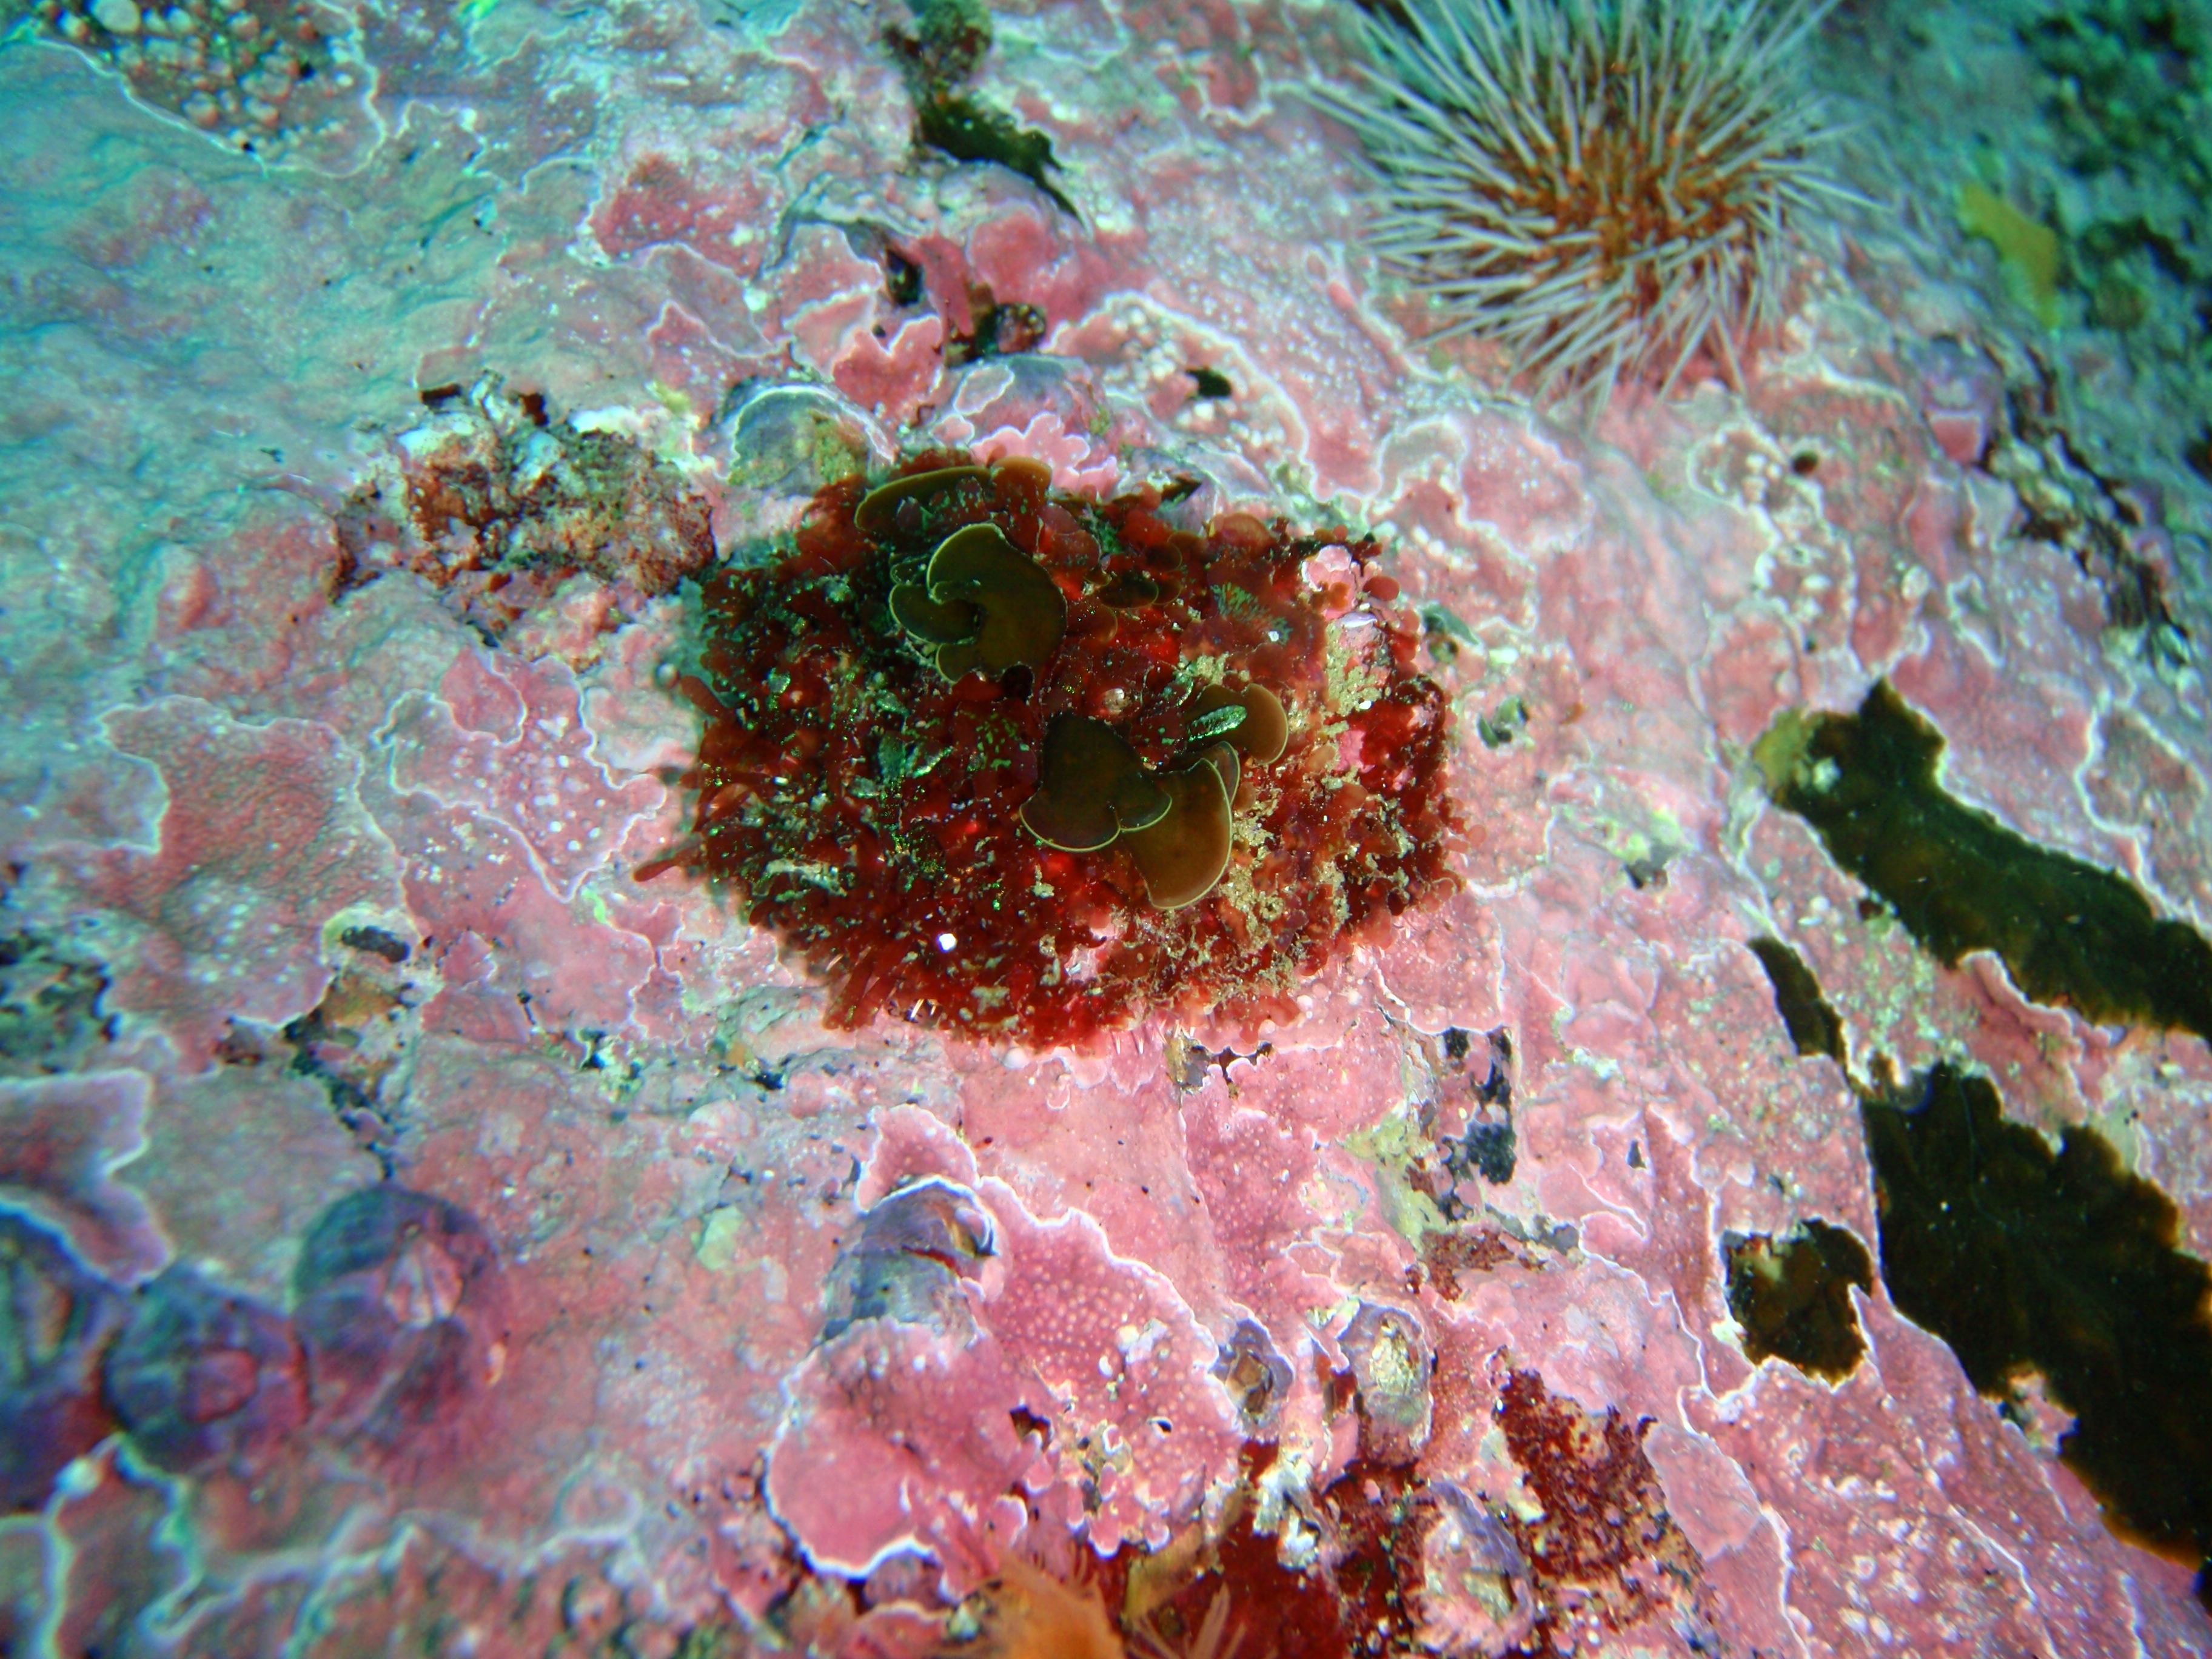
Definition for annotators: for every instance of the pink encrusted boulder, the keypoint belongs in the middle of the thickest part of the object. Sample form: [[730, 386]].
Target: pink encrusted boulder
[[59, 1319], [203, 1376], [403, 1314]]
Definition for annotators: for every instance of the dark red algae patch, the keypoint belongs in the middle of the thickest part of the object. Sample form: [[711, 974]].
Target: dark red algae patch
[[869, 808], [1605, 1552]]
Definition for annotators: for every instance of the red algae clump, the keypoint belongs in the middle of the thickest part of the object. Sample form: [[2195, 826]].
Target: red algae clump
[[1209, 764]]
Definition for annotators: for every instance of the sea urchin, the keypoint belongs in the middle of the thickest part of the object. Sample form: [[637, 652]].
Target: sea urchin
[[1599, 186]]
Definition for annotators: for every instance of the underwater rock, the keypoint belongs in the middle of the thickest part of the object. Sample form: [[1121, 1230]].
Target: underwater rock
[[203, 1376], [399, 1305]]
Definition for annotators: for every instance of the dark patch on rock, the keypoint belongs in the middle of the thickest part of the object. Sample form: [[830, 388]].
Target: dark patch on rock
[[1813, 1024], [1791, 1293], [2062, 1264], [1959, 881], [999, 330], [1210, 382], [376, 942], [946, 48], [1490, 1148]]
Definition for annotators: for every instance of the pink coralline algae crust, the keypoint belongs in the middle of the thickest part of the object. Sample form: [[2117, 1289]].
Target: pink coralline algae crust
[[512, 957], [264, 840], [1133, 1410], [60, 1139], [1897, 1472], [2139, 782], [657, 204], [236, 620], [1250, 1171], [495, 790], [1084, 1393], [895, 1441], [689, 220], [511, 745]]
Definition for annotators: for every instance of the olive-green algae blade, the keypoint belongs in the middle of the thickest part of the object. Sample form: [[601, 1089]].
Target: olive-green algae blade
[[1261, 730], [877, 513], [1087, 777], [1024, 613], [957, 622], [1959, 881], [1182, 856]]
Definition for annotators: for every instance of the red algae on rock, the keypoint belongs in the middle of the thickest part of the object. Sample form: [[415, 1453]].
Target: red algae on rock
[[869, 807]]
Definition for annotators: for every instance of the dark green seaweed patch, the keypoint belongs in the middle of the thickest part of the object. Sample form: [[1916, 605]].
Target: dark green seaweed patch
[[2025, 1259], [1792, 1294], [947, 46], [2069, 932], [969, 131], [1813, 1027], [1211, 382]]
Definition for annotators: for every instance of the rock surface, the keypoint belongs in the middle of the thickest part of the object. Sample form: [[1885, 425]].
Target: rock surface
[[317, 899]]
